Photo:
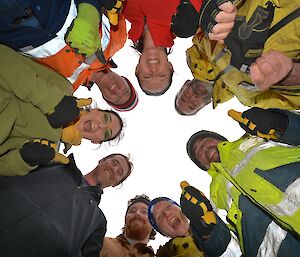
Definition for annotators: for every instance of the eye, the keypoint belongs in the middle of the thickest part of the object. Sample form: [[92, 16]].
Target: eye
[[107, 118], [107, 134]]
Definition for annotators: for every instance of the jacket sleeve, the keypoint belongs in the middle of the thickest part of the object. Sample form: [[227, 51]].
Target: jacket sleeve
[[12, 164], [97, 3], [29, 81], [94, 243], [291, 135], [220, 242]]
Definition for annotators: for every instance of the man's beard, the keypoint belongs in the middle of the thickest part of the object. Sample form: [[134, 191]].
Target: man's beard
[[137, 231]]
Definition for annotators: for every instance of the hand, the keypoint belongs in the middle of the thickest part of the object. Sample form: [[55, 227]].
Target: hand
[[266, 124], [224, 22], [197, 209], [83, 34], [112, 13], [41, 152], [270, 68], [66, 111]]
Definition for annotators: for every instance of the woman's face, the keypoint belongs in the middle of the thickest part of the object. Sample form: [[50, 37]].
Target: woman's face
[[99, 126], [170, 219], [154, 70]]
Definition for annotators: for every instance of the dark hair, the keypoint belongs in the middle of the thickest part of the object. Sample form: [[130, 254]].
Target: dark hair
[[195, 137], [160, 92], [121, 125], [129, 163]]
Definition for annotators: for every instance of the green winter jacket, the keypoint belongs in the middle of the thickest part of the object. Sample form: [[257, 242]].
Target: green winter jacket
[[28, 91], [267, 174]]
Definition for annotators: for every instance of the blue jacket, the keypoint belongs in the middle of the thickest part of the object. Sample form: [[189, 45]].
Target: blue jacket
[[26, 23]]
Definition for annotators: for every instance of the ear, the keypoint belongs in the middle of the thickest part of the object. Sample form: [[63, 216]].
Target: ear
[[136, 70], [171, 66]]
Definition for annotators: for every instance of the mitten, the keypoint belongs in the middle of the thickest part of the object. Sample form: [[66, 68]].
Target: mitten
[[83, 34], [185, 20], [267, 124], [197, 209], [41, 152], [112, 13], [66, 111]]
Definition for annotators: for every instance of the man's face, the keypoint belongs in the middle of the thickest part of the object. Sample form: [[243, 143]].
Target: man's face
[[154, 70], [170, 219], [206, 150], [111, 171], [137, 226], [193, 96], [113, 87], [99, 126]]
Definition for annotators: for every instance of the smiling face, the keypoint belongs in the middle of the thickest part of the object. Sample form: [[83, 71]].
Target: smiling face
[[170, 219], [113, 87], [137, 226], [154, 70], [99, 126], [206, 150], [112, 170], [193, 96]]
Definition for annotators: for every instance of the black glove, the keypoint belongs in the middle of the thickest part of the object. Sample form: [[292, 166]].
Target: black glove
[[185, 20], [197, 209], [246, 40], [267, 124], [67, 111], [35, 153], [208, 13]]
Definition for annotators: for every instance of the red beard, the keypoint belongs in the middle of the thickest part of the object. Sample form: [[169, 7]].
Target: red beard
[[137, 230]]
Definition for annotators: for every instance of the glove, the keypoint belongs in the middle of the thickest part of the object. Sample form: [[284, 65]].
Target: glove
[[208, 13], [41, 152], [83, 34], [246, 40], [112, 13], [185, 20], [197, 209], [266, 124], [66, 111]]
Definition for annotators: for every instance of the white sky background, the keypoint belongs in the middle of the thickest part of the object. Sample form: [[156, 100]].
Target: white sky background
[[155, 136]]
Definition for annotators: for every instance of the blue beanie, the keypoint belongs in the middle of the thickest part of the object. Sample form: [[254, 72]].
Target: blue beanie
[[150, 211]]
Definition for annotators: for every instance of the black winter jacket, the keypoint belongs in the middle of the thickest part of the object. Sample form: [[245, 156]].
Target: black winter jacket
[[47, 213]]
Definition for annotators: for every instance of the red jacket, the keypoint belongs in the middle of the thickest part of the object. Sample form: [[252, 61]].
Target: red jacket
[[157, 14]]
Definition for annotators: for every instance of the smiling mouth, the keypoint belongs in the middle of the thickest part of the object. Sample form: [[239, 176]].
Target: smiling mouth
[[109, 175], [88, 126], [153, 61], [174, 222], [113, 87]]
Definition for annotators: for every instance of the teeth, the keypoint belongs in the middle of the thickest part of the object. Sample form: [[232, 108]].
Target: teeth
[[92, 127], [113, 86], [173, 221], [153, 61], [107, 174]]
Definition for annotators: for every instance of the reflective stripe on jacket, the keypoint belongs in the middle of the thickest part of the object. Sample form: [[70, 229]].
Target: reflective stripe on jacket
[[258, 183], [75, 67]]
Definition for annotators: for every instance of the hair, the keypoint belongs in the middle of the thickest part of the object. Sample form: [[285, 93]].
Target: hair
[[118, 136], [195, 137], [147, 92], [129, 163]]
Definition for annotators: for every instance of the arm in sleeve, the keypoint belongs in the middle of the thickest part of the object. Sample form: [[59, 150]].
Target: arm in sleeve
[[30, 81], [220, 241], [291, 135], [98, 4], [94, 243], [12, 164]]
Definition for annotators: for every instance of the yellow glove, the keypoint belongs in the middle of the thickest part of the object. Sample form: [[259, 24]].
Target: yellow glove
[[267, 124], [197, 209], [112, 14]]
